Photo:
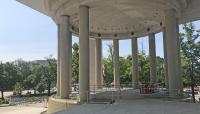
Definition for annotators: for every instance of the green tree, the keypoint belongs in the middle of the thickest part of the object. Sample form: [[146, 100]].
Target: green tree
[[108, 64], [34, 79], [50, 73], [40, 87], [126, 70], [190, 48], [24, 69], [12, 75], [75, 63], [2, 81], [160, 70], [18, 88], [144, 68]]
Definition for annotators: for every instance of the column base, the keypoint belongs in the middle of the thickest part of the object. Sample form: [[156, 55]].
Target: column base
[[56, 104]]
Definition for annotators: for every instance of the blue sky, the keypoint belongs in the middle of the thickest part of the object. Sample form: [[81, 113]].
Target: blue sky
[[30, 35]]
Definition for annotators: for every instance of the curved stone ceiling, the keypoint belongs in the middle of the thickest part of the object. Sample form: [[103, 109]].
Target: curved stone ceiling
[[116, 18]]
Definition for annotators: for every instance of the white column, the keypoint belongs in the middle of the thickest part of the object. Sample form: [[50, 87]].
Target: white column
[[134, 63], [165, 58], [152, 57], [70, 62], [98, 57], [116, 64], [92, 64], [172, 53], [65, 57], [58, 62], [179, 57], [84, 53]]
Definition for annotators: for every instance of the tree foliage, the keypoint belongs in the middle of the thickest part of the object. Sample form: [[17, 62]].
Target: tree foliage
[[126, 68], [190, 54], [19, 75], [75, 63]]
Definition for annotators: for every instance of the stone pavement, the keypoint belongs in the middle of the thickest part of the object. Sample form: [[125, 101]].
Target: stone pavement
[[137, 106], [23, 109]]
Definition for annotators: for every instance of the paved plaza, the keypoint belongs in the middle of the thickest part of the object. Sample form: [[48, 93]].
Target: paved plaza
[[137, 106], [23, 109]]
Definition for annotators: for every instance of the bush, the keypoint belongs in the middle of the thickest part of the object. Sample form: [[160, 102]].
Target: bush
[[32, 99], [40, 87], [5, 101], [18, 88]]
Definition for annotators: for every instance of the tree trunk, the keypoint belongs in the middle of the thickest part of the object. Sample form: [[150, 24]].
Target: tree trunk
[[193, 84], [2, 96], [34, 92], [49, 89]]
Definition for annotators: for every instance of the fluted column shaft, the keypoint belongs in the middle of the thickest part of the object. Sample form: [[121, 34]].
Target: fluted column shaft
[[116, 64], [152, 57], [84, 53], [65, 57], [134, 63]]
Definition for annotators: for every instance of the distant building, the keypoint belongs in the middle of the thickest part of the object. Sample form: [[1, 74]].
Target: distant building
[[43, 62]]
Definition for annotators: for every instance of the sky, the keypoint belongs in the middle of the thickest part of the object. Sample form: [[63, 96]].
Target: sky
[[30, 35]]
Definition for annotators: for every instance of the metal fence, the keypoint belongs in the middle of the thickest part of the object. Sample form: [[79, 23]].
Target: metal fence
[[111, 93], [15, 100]]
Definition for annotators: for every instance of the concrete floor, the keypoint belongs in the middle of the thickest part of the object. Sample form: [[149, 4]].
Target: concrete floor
[[137, 106], [23, 109]]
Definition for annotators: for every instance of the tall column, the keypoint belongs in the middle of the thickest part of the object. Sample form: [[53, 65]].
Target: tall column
[[84, 53], [152, 57], [165, 58], [70, 62], [65, 57], [135, 63], [116, 64], [172, 53], [58, 62], [92, 65], [179, 56], [98, 57]]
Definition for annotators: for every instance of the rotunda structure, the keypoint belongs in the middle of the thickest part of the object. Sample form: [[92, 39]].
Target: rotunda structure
[[95, 20]]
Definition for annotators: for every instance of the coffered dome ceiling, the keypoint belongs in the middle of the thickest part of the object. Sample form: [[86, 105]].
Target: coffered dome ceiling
[[118, 18]]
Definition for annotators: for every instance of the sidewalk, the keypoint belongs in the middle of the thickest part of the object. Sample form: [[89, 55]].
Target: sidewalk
[[23, 109]]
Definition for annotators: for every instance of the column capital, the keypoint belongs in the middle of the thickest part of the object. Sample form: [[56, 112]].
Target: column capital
[[171, 13], [85, 6], [62, 18], [151, 35], [134, 37]]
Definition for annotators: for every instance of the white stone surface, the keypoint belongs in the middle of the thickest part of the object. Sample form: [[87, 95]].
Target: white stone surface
[[84, 48], [152, 57], [98, 63], [65, 57], [109, 17], [116, 63], [24, 109], [135, 72], [58, 61], [92, 64], [137, 106], [172, 53], [165, 57]]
